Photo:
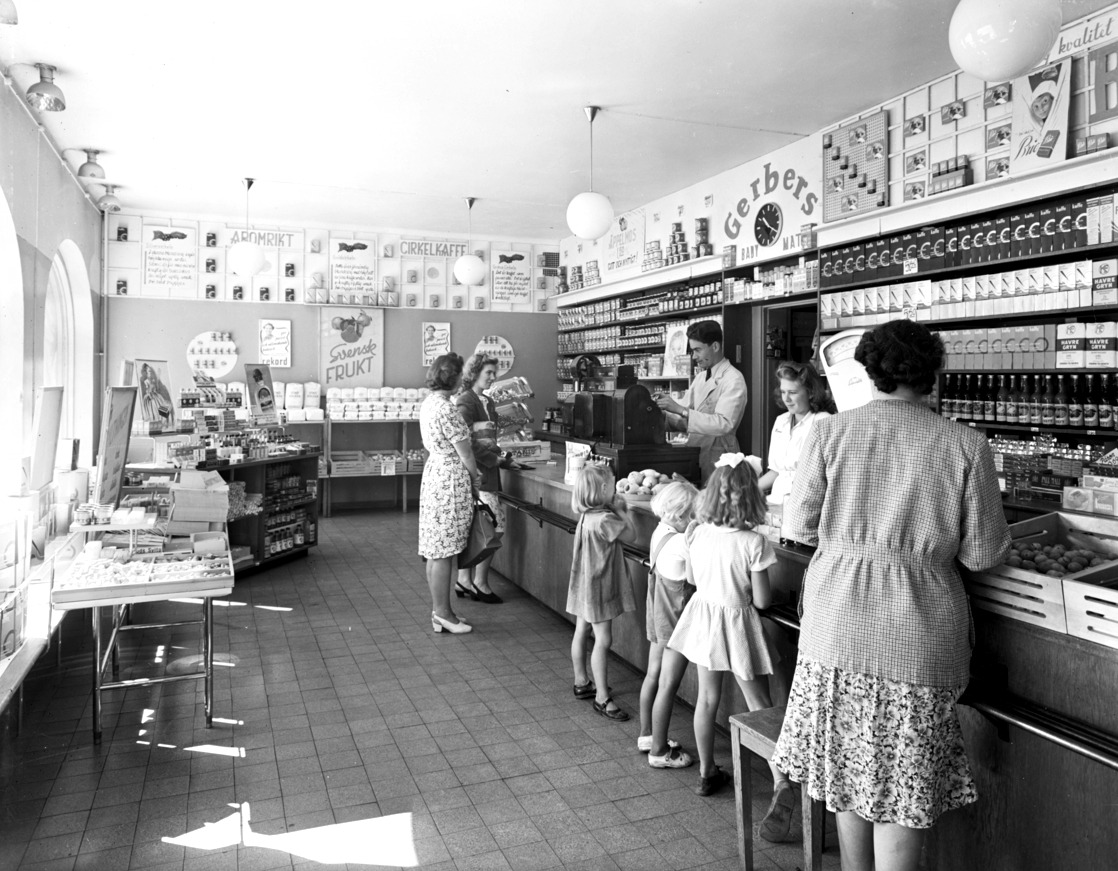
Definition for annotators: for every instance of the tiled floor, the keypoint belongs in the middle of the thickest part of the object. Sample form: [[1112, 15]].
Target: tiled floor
[[344, 718]]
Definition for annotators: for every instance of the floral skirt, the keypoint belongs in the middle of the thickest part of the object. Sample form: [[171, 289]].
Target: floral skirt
[[891, 752]]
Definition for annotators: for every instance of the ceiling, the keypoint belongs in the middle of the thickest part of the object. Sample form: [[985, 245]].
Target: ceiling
[[387, 115]]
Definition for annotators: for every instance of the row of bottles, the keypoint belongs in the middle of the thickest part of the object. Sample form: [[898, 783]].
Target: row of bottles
[[1088, 401]]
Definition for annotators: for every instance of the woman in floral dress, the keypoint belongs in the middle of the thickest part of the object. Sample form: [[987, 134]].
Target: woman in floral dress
[[896, 497], [446, 503]]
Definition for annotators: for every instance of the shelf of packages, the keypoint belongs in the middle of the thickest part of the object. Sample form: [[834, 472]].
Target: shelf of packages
[[1032, 428], [1106, 250], [281, 503], [829, 324], [287, 552]]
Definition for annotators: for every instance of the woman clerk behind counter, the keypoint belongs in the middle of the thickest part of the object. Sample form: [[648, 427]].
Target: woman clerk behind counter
[[805, 396], [714, 404]]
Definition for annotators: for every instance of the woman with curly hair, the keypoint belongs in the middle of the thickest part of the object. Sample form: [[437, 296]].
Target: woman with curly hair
[[805, 396], [446, 504], [480, 415], [894, 497]]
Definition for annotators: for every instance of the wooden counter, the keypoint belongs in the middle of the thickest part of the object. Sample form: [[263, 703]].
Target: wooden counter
[[1041, 805]]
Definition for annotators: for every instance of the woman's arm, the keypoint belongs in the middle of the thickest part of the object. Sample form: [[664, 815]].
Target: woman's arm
[[466, 455], [486, 452], [762, 593], [766, 481]]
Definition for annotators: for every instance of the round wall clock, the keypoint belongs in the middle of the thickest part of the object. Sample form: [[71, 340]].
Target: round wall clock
[[768, 223]]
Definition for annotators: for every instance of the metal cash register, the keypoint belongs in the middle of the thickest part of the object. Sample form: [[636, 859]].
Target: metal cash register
[[618, 415]]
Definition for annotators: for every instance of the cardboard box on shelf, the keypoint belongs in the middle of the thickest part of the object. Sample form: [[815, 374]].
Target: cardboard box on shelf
[[1071, 346], [1101, 345]]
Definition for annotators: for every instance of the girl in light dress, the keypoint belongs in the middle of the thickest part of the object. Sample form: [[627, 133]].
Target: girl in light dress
[[668, 592], [600, 588], [720, 629]]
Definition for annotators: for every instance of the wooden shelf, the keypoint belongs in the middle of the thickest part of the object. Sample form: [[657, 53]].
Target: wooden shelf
[[1030, 428]]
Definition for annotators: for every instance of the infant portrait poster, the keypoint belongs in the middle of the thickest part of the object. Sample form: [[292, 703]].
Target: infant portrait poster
[[1040, 118]]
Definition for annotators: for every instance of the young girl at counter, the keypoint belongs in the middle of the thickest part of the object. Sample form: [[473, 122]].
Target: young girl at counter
[[720, 629], [668, 592], [600, 588]]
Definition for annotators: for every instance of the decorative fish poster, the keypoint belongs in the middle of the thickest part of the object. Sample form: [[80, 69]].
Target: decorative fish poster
[[170, 261], [1040, 118], [512, 276]]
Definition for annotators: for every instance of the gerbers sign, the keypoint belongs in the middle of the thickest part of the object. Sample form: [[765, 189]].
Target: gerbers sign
[[771, 199]]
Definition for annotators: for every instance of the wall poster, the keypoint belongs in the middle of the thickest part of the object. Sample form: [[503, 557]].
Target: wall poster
[[155, 409], [353, 269], [625, 245], [170, 259], [512, 276], [1040, 118], [435, 340], [112, 447], [351, 347], [275, 343]]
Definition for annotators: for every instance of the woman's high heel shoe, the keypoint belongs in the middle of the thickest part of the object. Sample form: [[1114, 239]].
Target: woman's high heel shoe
[[489, 598], [441, 625], [461, 591]]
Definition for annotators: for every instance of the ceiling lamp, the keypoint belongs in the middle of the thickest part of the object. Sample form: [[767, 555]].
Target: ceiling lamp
[[590, 214], [8, 14], [469, 268], [91, 168], [45, 95], [996, 40], [108, 201], [246, 258]]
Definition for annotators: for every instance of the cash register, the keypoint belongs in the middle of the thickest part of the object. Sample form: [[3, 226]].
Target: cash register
[[618, 416]]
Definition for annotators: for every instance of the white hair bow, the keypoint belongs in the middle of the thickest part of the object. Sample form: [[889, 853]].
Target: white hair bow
[[732, 461]]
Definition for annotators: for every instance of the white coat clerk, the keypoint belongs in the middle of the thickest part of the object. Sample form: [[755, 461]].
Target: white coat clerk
[[713, 406], [805, 396]]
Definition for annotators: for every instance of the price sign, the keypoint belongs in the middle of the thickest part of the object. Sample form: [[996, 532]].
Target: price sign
[[388, 466], [909, 312], [910, 265]]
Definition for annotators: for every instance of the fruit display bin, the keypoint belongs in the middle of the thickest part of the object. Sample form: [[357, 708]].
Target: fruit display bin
[[1067, 604]]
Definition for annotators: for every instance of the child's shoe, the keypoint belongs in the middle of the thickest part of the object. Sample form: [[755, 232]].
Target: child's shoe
[[644, 743], [674, 758], [710, 785]]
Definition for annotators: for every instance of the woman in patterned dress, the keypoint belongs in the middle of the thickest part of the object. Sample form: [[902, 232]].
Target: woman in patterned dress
[[895, 497], [446, 504]]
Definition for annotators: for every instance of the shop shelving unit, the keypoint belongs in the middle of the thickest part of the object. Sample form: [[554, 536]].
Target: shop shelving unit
[[356, 433]]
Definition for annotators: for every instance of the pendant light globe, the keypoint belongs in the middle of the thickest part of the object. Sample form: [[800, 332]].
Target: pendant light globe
[[589, 215], [470, 269], [45, 95], [996, 40], [246, 258], [8, 12]]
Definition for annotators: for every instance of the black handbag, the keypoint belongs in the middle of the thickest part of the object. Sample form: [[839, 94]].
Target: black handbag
[[484, 539]]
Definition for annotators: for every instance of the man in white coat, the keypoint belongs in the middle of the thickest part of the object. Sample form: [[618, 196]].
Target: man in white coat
[[713, 406]]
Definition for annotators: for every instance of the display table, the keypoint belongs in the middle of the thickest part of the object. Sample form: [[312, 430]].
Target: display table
[[98, 585]]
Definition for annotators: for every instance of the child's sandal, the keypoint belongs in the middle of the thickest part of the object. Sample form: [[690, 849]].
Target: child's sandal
[[615, 714], [586, 690]]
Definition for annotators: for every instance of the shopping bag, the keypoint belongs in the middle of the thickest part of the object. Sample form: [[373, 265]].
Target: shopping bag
[[484, 539]]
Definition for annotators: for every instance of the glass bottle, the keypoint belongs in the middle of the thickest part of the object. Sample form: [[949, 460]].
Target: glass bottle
[[947, 398], [1034, 400], [966, 393], [1062, 407], [1091, 402], [1014, 401], [1075, 401], [989, 399], [1048, 402], [1108, 400], [1001, 400]]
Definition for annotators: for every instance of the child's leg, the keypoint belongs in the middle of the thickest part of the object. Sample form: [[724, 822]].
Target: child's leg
[[599, 660], [706, 708], [578, 651], [648, 688], [672, 666], [757, 698]]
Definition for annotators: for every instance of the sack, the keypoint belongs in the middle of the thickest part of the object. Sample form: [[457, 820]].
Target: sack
[[484, 539]]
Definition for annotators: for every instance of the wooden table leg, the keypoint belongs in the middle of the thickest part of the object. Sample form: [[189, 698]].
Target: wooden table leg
[[813, 814], [743, 795]]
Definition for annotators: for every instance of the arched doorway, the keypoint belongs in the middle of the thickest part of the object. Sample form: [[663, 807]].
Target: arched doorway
[[68, 344]]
